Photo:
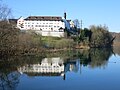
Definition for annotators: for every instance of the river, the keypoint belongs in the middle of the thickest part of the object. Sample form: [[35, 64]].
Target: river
[[95, 69]]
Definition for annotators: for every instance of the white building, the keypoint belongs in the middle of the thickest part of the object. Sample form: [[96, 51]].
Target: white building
[[45, 25]]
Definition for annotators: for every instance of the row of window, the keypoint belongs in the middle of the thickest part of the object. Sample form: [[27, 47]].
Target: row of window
[[46, 66], [41, 23], [42, 26], [45, 70]]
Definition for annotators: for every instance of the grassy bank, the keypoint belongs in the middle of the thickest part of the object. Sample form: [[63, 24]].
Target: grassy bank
[[57, 43]]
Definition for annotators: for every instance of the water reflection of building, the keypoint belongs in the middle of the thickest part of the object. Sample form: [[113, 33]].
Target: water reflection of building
[[50, 67], [72, 66]]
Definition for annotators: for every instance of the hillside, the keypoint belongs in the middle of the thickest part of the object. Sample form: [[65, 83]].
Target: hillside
[[117, 39]]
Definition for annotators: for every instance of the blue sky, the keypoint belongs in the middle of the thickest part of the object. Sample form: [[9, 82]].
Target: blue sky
[[91, 12]]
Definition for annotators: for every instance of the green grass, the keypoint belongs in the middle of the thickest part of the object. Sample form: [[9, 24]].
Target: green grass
[[57, 43]]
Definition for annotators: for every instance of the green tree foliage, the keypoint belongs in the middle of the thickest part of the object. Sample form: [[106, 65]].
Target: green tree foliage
[[100, 36], [85, 35], [83, 39], [96, 36]]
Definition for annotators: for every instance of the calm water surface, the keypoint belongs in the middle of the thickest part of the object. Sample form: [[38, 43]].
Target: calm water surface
[[71, 70]]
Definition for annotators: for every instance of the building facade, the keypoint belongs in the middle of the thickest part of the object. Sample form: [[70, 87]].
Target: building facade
[[44, 25]]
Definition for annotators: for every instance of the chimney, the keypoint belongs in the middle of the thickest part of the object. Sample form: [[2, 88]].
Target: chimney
[[65, 15]]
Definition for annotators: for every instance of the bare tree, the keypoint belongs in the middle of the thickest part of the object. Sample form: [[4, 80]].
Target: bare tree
[[5, 12], [76, 23]]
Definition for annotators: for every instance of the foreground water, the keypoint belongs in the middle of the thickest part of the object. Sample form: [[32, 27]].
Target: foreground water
[[71, 70]]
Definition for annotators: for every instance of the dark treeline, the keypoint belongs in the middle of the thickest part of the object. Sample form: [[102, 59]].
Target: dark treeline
[[95, 37]]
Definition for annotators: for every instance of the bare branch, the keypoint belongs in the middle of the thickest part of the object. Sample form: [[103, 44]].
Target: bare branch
[[5, 12]]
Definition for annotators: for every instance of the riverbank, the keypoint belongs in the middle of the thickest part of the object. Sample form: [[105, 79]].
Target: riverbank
[[15, 42]]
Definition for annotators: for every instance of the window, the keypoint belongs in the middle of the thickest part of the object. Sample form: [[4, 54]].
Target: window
[[40, 29], [51, 29]]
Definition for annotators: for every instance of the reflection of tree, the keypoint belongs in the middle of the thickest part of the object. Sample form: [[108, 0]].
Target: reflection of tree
[[95, 57], [9, 77], [99, 57], [84, 57], [9, 81]]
